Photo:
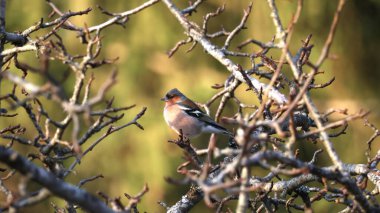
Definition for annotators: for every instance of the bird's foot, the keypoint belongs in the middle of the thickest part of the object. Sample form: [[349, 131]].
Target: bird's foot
[[182, 141]]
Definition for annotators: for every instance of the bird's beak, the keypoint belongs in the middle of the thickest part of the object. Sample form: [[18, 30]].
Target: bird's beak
[[164, 99]]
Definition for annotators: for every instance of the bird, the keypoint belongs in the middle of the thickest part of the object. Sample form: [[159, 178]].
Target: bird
[[184, 116]]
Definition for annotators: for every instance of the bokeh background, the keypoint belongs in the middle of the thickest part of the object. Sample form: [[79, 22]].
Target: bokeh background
[[131, 157]]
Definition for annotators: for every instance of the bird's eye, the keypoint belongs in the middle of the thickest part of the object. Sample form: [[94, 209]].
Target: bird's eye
[[168, 96]]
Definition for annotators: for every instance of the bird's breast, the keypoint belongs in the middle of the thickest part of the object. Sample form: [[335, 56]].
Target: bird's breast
[[179, 120]]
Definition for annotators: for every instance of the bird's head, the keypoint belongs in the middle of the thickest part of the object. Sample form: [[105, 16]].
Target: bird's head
[[173, 96]]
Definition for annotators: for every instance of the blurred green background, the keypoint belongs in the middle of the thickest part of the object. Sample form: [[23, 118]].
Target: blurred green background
[[131, 157]]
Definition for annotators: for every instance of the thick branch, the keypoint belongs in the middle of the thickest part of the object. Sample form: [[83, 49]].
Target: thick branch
[[58, 187], [188, 201], [195, 32]]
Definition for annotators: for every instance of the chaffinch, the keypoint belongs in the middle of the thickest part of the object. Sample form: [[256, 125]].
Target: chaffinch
[[181, 113]]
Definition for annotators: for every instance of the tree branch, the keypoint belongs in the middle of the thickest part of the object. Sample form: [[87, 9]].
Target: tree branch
[[57, 186]]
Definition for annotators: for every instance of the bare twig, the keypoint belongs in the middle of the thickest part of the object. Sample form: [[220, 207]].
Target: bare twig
[[326, 48], [121, 18]]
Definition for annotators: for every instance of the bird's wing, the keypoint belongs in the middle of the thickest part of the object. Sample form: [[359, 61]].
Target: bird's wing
[[189, 104], [199, 114]]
